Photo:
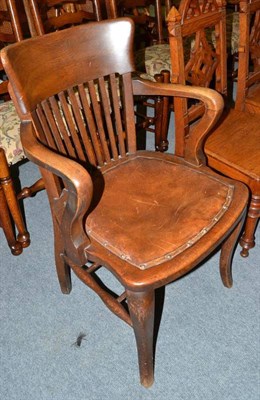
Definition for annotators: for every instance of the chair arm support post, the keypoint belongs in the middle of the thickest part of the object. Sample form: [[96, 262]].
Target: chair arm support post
[[70, 208], [212, 100]]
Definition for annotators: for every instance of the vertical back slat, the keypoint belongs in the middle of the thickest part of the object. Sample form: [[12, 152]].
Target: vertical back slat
[[55, 132], [81, 126], [115, 90], [68, 118], [99, 120], [42, 119], [104, 91], [91, 124], [62, 127]]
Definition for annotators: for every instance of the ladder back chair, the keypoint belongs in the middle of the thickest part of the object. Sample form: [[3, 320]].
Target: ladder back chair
[[233, 146], [46, 16], [11, 151], [147, 217]]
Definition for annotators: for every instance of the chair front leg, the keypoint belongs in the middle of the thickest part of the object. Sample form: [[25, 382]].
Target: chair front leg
[[62, 268], [226, 255], [141, 307]]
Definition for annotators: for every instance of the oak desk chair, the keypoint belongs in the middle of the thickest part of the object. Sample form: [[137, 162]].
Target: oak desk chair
[[11, 151], [51, 15], [233, 147], [147, 217]]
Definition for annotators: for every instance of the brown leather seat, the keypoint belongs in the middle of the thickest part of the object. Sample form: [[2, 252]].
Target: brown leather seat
[[160, 214]]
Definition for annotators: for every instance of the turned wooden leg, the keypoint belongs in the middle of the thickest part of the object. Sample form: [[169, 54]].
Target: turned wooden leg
[[226, 255], [141, 308], [6, 224], [247, 240], [7, 185]]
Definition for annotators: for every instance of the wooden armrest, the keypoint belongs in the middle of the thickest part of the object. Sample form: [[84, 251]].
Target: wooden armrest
[[67, 169], [212, 100]]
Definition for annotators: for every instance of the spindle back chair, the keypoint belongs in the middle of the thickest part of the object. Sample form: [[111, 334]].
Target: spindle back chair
[[146, 217]]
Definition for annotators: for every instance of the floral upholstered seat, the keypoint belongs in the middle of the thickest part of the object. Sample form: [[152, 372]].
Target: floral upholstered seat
[[233, 32], [10, 133], [153, 59]]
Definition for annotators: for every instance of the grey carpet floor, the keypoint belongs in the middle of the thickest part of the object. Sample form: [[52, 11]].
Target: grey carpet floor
[[207, 348]]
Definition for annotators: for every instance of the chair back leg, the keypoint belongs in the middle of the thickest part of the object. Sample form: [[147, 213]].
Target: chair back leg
[[247, 240]]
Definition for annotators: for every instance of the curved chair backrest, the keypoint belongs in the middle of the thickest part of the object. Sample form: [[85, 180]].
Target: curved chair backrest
[[44, 96]]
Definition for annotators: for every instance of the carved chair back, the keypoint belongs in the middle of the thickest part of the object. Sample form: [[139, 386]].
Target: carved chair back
[[197, 35]]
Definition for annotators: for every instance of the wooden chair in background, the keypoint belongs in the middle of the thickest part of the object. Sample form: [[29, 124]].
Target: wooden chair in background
[[147, 217], [51, 15], [12, 28], [248, 81], [148, 16], [233, 147], [152, 58]]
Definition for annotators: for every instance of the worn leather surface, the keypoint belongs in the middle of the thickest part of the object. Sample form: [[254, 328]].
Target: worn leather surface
[[140, 222]]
